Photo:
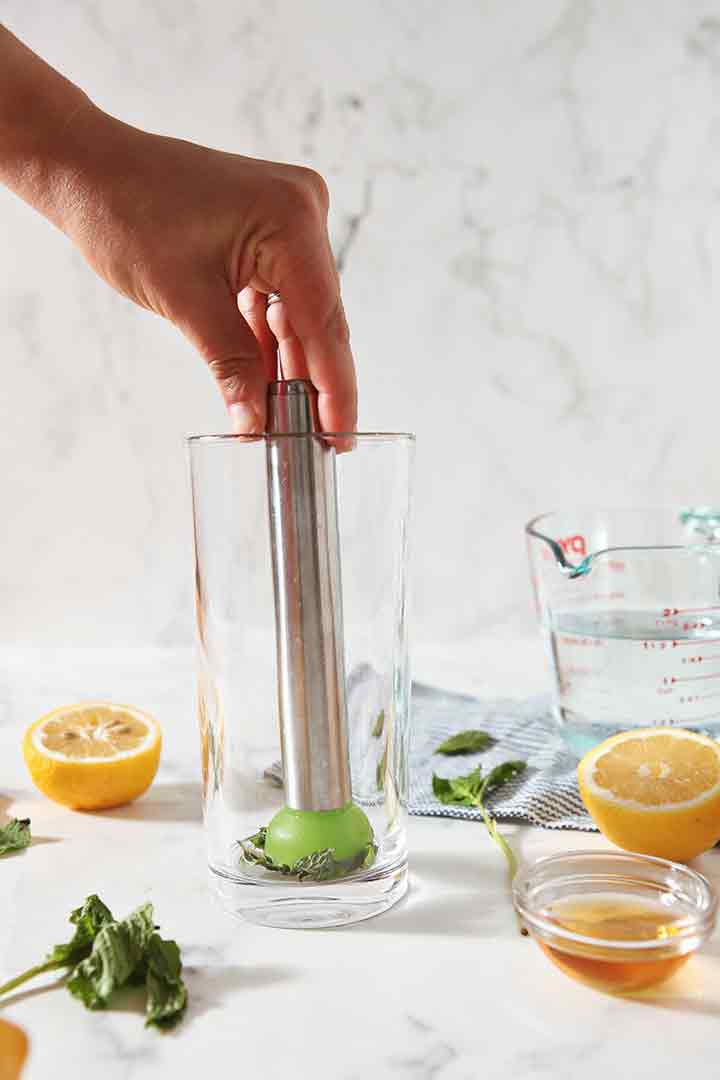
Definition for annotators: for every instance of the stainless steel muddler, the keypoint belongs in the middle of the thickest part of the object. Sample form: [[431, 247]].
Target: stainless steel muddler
[[308, 601]]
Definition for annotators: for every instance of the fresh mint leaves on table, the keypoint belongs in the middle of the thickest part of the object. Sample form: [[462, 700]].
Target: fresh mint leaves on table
[[15, 835], [166, 992], [318, 866], [105, 954], [465, 742], [470, 790], [87, 920]]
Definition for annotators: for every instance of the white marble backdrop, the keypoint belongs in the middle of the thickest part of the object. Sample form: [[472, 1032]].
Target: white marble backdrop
[[525, 204]]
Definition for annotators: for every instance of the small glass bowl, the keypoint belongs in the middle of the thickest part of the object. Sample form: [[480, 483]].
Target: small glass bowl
[[616, 921]]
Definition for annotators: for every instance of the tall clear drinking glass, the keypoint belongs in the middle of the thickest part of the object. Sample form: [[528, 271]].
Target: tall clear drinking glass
[[238, 677]]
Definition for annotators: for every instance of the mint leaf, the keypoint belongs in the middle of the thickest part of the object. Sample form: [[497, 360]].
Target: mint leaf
[[258, 839], [166, 992], [253, 851], [379, 725], [88, 920], [117, 951], [465, 742], [381, 769], [502, 774], [442, 789], [458, 790], [15, 835], [323, 866], [317, 866]]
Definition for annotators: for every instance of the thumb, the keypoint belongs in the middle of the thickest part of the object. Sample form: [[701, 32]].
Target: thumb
[[209, 318]]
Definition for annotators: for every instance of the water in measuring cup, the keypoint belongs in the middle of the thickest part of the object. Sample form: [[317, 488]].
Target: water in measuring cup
[[616, 670]]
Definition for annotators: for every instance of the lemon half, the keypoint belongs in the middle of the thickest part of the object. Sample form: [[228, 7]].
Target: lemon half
[[13, 1050], [93, 756], [655, 791]]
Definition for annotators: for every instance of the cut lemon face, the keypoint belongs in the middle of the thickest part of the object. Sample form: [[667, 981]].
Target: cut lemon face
[[655, 791], [93, 756]]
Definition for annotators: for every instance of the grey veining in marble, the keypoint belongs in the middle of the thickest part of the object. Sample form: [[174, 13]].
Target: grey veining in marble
[[526, 210]]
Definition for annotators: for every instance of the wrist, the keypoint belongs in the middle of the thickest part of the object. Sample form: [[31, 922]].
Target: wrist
[[53, 164], [37, 109]]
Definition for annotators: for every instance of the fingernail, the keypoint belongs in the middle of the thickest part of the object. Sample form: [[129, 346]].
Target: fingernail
[[245, 420]]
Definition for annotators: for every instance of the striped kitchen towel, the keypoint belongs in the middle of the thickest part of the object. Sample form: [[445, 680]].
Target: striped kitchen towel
[[546, 794]]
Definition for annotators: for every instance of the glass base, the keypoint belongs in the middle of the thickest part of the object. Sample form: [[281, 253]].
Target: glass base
[[308, 906]]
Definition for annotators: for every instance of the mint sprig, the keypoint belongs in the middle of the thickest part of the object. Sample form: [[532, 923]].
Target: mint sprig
[[88, 920], [470, 790], [105, 954]]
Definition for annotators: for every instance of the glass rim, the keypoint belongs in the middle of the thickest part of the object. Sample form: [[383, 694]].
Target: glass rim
[[397, 436], [635, 508], [699, 921], [535, 524]]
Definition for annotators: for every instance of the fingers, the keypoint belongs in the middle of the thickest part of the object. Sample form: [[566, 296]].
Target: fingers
[[307, 279], [252, 304], [210, 318], [292, 356]]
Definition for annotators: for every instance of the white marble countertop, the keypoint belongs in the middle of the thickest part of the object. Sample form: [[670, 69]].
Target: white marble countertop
[[441, 988]]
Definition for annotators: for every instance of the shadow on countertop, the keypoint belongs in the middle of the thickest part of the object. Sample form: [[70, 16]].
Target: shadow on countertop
[[175, 802], [472, 902]]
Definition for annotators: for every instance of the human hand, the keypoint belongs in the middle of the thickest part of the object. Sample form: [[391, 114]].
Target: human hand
[[200, 237]]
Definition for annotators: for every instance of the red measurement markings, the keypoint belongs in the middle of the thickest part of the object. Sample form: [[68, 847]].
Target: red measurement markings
[[677, 625], [671, 680], [650, 646], [582, 642], [668, 611], [693, 698], [578, 599], [700, 659]]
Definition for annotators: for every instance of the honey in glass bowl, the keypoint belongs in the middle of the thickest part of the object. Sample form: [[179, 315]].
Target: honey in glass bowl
[[616, 921]]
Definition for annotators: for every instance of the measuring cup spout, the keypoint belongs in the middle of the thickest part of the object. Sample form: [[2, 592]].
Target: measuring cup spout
[[559, 550]]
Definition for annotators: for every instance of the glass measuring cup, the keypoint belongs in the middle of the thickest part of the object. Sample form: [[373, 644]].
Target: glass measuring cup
[[629, 606]]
